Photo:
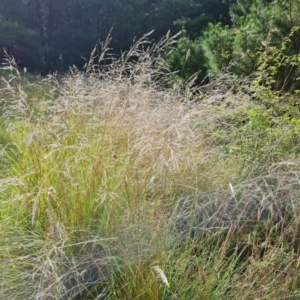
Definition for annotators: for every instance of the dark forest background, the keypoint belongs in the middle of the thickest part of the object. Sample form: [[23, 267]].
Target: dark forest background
[[52, 35], [48, 35]]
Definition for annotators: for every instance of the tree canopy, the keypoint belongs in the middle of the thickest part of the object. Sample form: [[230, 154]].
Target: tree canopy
[[48, 35], [261, 35]]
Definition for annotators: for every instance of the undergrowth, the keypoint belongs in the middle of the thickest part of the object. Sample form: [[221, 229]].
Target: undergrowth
[[115, 185]]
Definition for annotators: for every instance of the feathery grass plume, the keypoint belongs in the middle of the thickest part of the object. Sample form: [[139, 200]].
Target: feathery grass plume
[[10, 63], [188, 54], [232, 189], [51, 192], [161, 275], [168, 35], [34, 209]]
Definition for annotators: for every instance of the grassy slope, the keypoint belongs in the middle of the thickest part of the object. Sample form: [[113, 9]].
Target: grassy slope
[[113, 187]]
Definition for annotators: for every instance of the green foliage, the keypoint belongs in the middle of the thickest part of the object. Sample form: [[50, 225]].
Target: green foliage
[[218, 47], [235, 48], [277, 89], [278, 66], [202, 14], [14, 34], [270, 128], [187, 59], [254, 26]]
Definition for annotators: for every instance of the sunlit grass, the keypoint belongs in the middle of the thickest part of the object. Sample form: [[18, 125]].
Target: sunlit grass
[[114, 186]]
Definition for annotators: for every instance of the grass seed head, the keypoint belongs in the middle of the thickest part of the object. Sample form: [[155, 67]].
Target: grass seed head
[[161, 275]]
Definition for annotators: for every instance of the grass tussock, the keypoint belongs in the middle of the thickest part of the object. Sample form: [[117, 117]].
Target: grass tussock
[[117, 185]]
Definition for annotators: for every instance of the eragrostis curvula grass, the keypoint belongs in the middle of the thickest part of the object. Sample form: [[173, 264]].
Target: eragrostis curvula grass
[[113, 177]]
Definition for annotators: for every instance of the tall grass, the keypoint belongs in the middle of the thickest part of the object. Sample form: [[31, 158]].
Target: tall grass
[[115, 185]]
